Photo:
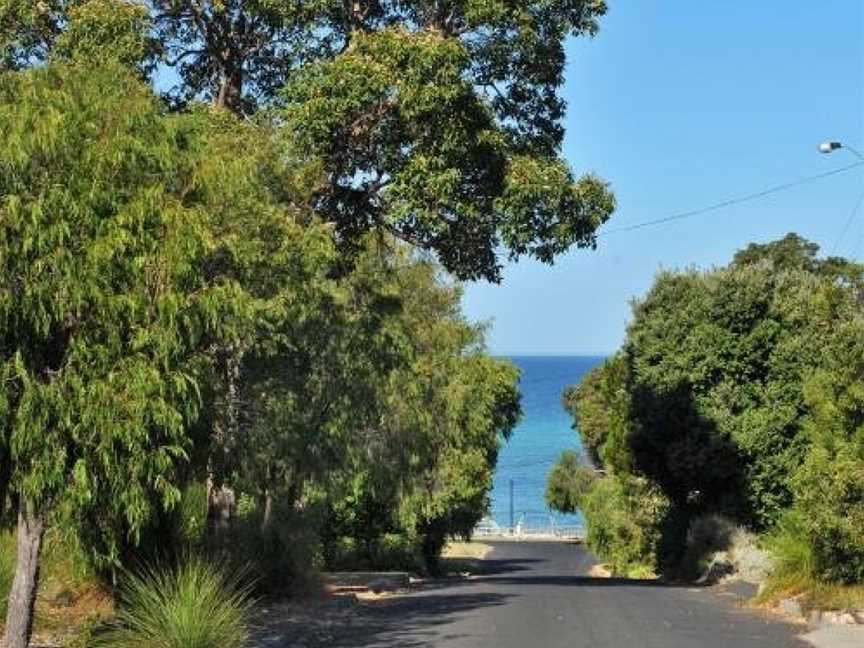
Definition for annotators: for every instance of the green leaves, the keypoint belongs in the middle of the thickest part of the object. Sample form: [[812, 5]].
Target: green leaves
[[131, 244], [436, 122], [412, 146], [721, 398], [101, 31]]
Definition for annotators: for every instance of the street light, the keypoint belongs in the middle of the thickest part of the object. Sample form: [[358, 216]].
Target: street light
[[831, 146]]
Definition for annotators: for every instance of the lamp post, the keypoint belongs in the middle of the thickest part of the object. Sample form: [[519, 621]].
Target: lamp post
[[833, 145]]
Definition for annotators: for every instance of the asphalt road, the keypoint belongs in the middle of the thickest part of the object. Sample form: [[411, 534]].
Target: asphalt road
[[536, 595]]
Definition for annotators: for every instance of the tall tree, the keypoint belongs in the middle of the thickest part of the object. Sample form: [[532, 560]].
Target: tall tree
[[438, 121], [121, 265]]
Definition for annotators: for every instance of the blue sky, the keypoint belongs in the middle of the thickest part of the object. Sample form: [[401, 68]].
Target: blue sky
[[681, 104]]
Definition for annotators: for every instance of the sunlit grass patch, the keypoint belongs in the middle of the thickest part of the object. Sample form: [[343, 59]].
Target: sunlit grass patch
[[476, 550]]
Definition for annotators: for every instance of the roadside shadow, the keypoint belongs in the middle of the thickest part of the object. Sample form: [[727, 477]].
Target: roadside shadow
[[493, 566], [586, 581], [404, 621]]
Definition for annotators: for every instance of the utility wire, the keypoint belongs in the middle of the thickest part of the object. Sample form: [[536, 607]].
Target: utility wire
[[849, 220], [733, 201]]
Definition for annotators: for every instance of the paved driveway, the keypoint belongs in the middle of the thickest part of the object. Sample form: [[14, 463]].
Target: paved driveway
[[536, 595]]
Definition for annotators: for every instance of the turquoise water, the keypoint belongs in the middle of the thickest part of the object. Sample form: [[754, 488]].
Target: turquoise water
[[545, 430]]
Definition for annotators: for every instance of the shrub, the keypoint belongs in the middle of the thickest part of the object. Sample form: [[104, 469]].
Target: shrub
[[399, 551], [280, 557], [7, 569], [193, 605], [791, 550], [192, 513], [626, 518], [568, 482], [829, 486], [830, 498]]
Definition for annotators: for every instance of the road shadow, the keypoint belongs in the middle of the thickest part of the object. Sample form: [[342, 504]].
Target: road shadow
[[404, 621], [495, 566], [581, 581]]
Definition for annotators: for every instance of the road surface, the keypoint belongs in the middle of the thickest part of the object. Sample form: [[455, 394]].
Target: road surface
[[536, 595]]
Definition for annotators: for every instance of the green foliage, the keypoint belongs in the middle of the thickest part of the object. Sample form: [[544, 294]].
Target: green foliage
[[829, 486], [721, 399], [103, 31], [172, 309], [389, 551], [718, 361], [410, 145], [792, 252], [424, 469], [626, 518], [191, 514], [600, 407], [518, 47], [193, 605], [7, 568], [569, 482], [28, 30], [439, 123], [792, 552], [100, 350], [795, 253], [139, 217], [280, 558]]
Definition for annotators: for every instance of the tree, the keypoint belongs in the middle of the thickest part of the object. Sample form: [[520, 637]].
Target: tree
[[121, 265], [718, 363], [411, 145], [793, 252], [423, 469], [569, 482], [240, 53], [312, 391], [721, 399], [600, 407], [437, 122]]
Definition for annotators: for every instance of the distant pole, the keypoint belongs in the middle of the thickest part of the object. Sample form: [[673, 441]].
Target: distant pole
[[512, 520]]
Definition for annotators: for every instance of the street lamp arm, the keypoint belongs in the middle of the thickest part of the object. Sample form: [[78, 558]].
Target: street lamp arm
[[831, 146]]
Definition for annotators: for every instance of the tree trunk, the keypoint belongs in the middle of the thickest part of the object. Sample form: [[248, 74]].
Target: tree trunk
[[225, 438], [267, 519], [22, 597], [230, 93]]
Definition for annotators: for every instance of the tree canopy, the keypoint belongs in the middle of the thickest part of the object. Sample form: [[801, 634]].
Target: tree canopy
[[721, 399], [260, 294], [437, 122]]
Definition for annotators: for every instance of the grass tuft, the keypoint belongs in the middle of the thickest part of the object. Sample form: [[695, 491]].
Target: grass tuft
[[194, 605]]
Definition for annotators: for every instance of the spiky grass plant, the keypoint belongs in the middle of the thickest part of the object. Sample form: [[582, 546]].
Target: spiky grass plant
[[193, 605]]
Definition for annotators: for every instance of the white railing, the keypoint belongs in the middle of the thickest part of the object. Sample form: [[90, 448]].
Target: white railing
[[524, 529]]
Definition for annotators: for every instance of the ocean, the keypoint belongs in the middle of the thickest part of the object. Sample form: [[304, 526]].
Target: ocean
[[544, 431]]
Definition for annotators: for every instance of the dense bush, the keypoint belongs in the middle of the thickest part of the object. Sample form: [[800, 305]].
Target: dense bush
[[829, 486], [192, 605], [739, 391], [600, 406], [569, 482], [201, 322], [387, 552], [626, 520]]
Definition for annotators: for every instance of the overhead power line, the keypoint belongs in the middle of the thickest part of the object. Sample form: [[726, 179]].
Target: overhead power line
[[849, 220], [733, 201]]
